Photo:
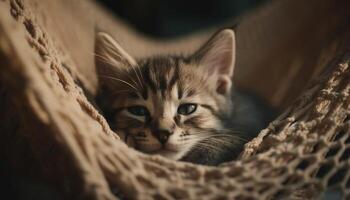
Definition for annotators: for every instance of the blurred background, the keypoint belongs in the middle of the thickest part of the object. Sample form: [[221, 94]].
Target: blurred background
[[173, 18]]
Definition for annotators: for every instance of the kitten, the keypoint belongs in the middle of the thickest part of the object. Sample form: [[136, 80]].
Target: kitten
[[179, 107]]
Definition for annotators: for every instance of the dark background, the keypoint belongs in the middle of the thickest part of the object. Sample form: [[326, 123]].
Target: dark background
[[171, 18]]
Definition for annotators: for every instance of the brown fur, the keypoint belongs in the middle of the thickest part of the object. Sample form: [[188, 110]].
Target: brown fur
[[163, 84]]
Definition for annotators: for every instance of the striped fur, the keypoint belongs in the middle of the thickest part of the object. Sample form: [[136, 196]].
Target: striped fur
[[161, 85]]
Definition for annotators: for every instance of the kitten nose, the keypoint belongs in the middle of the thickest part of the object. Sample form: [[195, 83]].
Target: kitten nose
[[163, 136]]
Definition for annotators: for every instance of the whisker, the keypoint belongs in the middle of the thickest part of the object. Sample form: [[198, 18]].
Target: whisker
[[207, 146], [140, 73], [117, 79], [137, 76], [212, 140], [105, 60]]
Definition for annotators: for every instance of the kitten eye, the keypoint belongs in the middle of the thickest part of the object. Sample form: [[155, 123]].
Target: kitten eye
[[138, 110], [186, 109]]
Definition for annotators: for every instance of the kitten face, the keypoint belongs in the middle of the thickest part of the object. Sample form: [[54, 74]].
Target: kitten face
[[168, 104]]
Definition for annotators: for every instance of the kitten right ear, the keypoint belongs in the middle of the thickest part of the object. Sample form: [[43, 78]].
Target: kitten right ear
[[110, 57], [217, 58]]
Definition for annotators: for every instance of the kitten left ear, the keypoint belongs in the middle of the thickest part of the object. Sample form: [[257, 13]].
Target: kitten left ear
[[217, 57], [110, 56]]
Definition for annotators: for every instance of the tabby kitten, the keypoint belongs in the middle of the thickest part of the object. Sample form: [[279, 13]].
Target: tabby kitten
[[179, 107]]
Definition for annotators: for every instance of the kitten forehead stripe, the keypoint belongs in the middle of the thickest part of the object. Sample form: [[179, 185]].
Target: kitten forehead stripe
[[162, 73], [148, 79], [176, 75]]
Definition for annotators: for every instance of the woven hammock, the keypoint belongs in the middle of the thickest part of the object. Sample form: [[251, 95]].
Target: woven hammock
[[293, 53]]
